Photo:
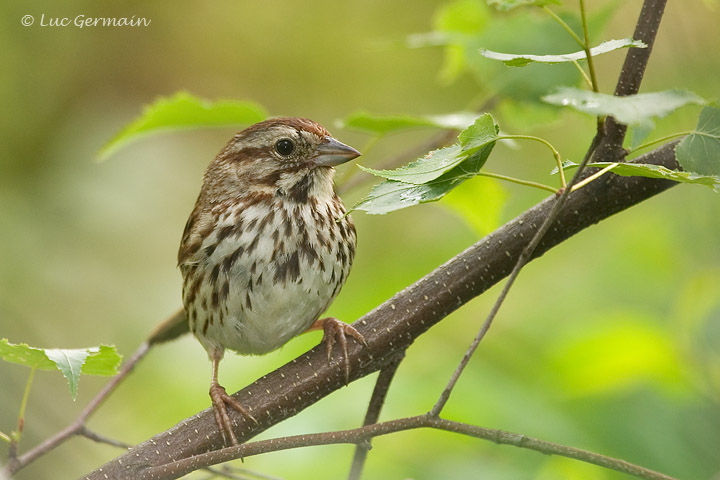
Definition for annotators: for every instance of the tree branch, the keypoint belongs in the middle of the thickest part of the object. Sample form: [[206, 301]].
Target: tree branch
[[524, 257], [363, 434], [632, 73], [382, 385], [394, 325]]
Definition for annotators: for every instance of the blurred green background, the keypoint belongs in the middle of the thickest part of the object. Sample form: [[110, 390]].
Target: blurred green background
[[610, 342]]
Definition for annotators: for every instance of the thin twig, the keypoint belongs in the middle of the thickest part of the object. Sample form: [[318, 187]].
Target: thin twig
[[377, 399], [527, 253], [78, 425], [96, 437], [524, 257], [169, 329], [362, 434]]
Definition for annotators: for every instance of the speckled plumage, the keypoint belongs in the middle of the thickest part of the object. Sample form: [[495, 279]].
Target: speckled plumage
[[266, 248]]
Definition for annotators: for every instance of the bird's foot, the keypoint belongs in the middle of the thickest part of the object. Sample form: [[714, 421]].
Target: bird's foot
[[336, 331], [220, 400]]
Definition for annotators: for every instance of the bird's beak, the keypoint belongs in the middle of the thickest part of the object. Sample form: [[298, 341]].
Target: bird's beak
[[331, 153]]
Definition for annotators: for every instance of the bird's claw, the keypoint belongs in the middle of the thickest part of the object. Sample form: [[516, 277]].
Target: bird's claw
[[336, 331], [220, 399]]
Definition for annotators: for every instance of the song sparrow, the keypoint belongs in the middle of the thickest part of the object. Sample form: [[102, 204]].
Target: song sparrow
[[267, 246]]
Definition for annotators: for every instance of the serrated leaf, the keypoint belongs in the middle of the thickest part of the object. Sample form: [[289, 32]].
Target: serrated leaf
[[70, 363], [384, 124], [505, 5], [520, 60], [424, 169], [184, 111], [500, 33], [483, 131], [631, 110], [103, 360], [24, 354], [438, 162], [700, 151], [392, 195], [656, 171]]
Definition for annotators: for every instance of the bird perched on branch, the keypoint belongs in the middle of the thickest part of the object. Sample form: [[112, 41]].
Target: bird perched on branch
[[267, 247]]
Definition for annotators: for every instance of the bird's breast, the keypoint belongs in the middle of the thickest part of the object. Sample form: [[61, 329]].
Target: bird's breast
[[268, 271]]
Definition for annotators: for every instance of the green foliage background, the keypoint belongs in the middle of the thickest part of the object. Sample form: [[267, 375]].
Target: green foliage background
[[610, 342]]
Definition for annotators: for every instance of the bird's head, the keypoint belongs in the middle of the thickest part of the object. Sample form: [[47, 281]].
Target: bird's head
[[280, 156]]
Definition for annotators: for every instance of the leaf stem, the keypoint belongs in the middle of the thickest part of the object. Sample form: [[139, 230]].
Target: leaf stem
[[583, 73], [564, 24], [555, 153], [661, 140], [594, 176], [23, 404], [586, 47], [519, 181]]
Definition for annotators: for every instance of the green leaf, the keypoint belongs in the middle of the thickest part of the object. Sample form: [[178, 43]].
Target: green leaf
[[630, 110], [392, 195], [483, 131], [184, 111], [422, 170], [70, 363], [103, 360], [656, 171], [500, 32], [384, 124], [543, 34], [437, 162], [506, 5], [23, 354], [700, 151], [520, 60]]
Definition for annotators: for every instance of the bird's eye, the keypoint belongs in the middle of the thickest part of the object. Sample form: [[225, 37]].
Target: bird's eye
[[284, 146]]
